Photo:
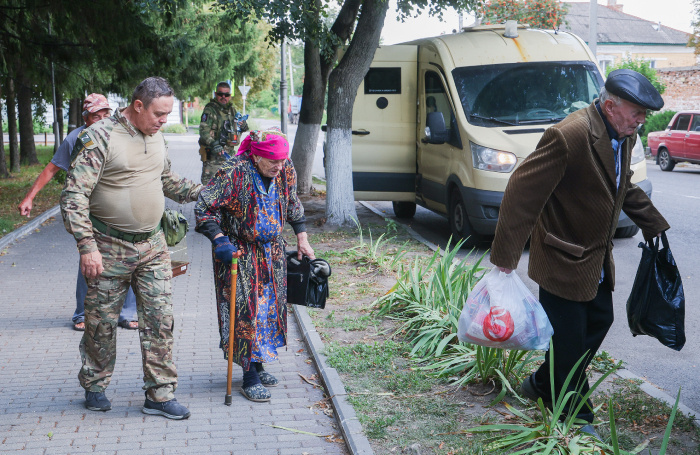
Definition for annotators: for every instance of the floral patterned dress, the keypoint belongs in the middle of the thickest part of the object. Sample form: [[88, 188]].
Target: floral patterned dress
[[253, 217]]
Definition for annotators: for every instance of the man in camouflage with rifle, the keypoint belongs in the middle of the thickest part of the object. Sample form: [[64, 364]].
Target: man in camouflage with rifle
[[219, 131]]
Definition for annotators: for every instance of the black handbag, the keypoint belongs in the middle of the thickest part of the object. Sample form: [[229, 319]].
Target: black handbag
[[656, 306], [307, 281]]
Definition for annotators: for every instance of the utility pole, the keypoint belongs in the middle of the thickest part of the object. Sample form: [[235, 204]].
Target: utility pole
[[283, 91], [593, 29], [291, 73]]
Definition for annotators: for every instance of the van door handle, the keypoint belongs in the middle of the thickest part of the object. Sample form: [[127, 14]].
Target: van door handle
[[360, 132]]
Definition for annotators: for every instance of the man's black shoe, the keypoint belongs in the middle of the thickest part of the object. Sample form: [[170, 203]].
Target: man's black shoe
[[528, 390], [170, 409], [97, 401]]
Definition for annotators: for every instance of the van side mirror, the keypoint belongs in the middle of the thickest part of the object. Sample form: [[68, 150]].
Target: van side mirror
[[435, 130]]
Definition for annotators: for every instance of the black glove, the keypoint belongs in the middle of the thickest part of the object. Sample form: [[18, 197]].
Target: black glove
[[217, 150], [223, 250]]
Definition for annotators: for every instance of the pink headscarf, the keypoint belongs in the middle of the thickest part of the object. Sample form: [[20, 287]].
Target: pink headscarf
[[273, 146]]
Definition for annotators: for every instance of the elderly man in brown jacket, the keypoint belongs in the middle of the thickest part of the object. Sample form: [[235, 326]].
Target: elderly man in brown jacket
[[566, 197]]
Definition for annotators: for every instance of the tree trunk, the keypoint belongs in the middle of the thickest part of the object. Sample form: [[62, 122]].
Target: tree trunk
[[342, 89], [3, 161], [74, 114], [12, 124], [27, 148], [59, 115], [310, 115], [316, 72]]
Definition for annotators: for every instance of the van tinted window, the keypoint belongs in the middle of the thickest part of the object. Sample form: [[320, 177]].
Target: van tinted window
[[385, 81], [525, 93]]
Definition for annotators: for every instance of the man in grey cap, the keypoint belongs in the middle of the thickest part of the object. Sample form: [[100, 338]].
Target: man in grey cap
[[566, 197]]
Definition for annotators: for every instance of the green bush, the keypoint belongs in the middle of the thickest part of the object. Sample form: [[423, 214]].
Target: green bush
[[194, 116], [657, 122], [175, 128]]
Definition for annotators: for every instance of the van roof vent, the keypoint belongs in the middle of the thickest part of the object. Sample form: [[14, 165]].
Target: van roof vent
[[511, 29]]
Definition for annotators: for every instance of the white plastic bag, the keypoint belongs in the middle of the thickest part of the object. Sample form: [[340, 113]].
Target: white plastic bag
[[500, 312]]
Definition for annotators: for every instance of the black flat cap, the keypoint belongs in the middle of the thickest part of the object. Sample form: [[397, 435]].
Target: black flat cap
[[634, 87]]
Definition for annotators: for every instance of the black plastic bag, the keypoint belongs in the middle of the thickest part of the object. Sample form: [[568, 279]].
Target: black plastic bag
[[656, 306], [307, 281]]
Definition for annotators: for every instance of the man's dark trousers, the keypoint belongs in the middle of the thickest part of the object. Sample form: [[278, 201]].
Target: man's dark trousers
[[579, 328]]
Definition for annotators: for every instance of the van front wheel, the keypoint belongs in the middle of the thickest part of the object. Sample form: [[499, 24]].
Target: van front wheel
[[404, 209], [459, 222]]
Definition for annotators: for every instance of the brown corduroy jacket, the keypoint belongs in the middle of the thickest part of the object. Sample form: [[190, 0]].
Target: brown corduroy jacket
[[564, 197]]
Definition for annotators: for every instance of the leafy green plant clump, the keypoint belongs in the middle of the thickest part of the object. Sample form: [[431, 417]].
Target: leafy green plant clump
[[175, 128]]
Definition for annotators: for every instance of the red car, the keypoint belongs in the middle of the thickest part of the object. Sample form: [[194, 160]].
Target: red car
[[679, 142]]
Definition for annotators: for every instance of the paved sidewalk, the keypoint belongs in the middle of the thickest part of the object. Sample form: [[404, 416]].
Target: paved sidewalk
[[41, 402]]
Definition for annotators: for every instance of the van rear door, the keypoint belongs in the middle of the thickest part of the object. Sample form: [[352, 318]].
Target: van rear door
[[384, 127]]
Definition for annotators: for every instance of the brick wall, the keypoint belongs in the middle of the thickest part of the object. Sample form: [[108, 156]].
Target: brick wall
[[682, 88]]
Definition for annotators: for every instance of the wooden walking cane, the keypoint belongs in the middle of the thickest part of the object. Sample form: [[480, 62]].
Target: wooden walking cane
[[231, 324]]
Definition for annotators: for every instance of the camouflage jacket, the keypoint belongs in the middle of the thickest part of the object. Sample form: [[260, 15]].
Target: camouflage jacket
[[94, 159], [218, 125]]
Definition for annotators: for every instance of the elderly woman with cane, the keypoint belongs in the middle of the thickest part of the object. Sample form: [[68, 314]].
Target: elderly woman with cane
[[243, 209]]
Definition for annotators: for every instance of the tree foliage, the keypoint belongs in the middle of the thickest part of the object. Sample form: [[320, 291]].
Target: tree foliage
[[109, 46], [694, 40], [548, 14], [640, 66]]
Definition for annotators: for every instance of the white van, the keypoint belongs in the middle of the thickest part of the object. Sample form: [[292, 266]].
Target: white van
[[442, 122]]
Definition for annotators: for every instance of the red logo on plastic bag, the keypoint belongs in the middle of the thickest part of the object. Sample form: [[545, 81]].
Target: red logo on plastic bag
[[498, 324]]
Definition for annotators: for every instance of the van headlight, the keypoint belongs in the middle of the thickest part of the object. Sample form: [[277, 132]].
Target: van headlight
[[487, 159], [637, 152]]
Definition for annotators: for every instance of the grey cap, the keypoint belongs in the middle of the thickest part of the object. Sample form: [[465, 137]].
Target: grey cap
[[635, 88]]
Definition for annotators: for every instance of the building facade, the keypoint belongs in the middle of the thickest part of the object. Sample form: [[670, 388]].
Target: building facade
[[622, 36]]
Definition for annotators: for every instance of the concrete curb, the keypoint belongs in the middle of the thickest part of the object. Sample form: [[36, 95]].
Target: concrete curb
[[355, 440], [28, 228], [645, 386]]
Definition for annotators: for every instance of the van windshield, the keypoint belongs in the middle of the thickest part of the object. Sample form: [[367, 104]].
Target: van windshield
[[525, 93]]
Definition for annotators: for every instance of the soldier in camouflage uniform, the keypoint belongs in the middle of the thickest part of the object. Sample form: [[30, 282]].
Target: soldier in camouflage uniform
[[219, 133], [112, 203]]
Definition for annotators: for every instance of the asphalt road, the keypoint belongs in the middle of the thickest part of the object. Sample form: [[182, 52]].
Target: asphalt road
[[677, 195]]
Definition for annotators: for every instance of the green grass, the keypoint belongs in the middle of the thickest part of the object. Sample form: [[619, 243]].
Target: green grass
[[347, 323], [175, 128], [362, 357], [632, 404], [14, 188], [398, 405]]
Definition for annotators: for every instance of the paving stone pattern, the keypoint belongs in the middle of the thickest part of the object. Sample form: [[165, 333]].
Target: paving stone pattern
[[42, 404]]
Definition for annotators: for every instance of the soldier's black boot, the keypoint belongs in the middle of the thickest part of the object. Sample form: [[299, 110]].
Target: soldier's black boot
[[97, 401]]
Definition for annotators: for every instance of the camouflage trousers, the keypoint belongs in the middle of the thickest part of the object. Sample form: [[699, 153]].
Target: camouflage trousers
[[211, 167], [146, 267]]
